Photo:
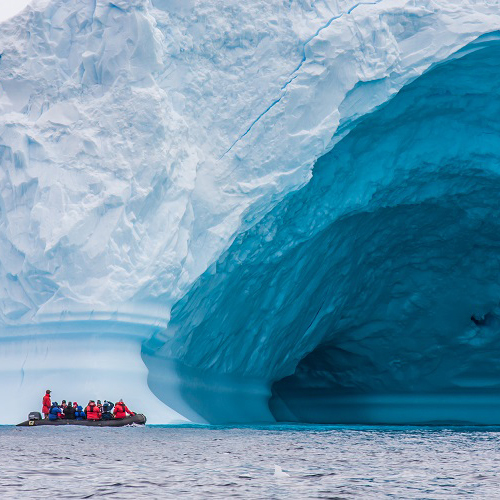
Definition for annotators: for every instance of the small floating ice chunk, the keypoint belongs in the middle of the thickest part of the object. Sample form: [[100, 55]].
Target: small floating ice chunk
[[278, 472]]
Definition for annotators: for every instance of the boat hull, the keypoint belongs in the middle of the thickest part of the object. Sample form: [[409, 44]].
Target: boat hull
[[138, 419]]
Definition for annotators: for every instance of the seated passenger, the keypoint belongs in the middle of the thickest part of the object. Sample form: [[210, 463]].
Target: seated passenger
[[79, 413], [99, 404], [55, 411], [69, 412], [63, 404], [121, 410], [106, 410], [92, 411]]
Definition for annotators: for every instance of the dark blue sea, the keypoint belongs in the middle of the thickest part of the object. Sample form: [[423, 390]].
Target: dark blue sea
[[228, 462]]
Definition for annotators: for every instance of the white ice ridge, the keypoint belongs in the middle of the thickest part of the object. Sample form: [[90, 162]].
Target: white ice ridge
[[138, 138]]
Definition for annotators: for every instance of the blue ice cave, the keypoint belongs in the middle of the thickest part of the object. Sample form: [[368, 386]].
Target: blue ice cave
[[371, 295]]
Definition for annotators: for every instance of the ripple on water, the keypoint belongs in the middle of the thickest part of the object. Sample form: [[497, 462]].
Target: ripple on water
[[219, 462]]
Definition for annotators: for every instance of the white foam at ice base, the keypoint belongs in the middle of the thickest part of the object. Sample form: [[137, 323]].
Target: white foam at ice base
[[137, 140]]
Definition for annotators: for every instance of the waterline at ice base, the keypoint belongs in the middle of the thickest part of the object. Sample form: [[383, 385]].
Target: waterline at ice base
[[252, 212]]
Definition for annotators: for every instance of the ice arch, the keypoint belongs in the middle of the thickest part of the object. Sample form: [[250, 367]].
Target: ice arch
[[370, 295]]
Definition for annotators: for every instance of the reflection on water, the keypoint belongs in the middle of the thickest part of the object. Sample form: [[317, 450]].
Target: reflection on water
[[218, 462]]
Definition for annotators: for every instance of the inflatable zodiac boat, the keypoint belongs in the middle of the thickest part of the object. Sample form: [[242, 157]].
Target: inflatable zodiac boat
[[34, 421]]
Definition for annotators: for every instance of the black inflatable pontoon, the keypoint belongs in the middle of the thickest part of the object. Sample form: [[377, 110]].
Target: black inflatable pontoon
[[115, 422]]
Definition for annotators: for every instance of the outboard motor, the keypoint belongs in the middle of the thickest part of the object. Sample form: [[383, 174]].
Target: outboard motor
[[35, 415]]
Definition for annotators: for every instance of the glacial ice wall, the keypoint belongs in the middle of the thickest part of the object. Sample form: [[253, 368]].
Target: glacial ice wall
[[138, 139], [371, 295]]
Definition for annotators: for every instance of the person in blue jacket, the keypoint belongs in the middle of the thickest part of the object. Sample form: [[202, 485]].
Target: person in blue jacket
[[54, 412], [79, 413]]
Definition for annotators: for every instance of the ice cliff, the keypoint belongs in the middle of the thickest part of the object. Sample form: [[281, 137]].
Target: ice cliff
[[203, 204]]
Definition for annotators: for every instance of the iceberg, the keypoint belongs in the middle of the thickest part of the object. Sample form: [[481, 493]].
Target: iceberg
[[252, 212]]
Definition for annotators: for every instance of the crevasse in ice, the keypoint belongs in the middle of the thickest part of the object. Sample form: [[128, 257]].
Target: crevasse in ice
[[206, 204]]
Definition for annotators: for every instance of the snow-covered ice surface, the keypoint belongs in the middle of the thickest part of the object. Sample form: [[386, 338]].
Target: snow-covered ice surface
[[10, 9], [143, 145]]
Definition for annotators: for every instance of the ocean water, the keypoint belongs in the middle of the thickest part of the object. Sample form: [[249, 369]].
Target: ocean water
[[239, 462]]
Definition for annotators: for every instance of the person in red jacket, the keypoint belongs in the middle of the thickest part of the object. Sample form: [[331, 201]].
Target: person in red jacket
[[46, 404], [121, 410], [93, 412]]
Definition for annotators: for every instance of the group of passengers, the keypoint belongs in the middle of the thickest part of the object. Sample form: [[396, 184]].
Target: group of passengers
[[93, 410]]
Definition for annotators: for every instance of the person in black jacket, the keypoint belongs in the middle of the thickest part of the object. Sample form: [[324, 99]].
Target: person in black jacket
[[69, 412], [106, 410]]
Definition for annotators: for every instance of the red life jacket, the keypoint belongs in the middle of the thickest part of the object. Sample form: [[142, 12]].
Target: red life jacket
[[46, 404], [121, 410], [93, 412]]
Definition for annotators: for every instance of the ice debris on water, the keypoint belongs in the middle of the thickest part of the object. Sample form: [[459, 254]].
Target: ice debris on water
[[278, 472]]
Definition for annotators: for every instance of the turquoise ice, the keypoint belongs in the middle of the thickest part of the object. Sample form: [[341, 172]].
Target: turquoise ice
[[371, 294]]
